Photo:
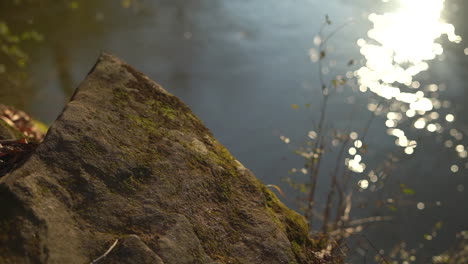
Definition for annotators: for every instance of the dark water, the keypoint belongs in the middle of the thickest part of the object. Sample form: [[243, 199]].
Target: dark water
[[241, 64]]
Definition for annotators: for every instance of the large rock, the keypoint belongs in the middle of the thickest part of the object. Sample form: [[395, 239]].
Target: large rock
[[127, 160]]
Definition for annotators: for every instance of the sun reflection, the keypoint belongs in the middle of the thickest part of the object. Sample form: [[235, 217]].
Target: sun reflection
[[400, 46], [363, 184], [454, 168], [431, 127], [421, 206], [408, 35], [358, 143], [449, 118], [409, 150]]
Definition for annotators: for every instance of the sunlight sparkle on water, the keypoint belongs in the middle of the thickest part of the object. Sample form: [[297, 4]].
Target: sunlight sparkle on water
[[363, 184], [420, 206], [454, 168], [409, 150], [390, 123], [400, 46], [449, 118], [355, 164], [410, 33], [312, 134], [285, 139], [420, 123], [410, 113], [358, 158], [431, 127], [434, 115], [358, 143]]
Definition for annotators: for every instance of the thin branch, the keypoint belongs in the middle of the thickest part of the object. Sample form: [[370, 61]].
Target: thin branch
[[340, 211], [105, 254], [319, 145], [369, 220], [333, 186], [337, 30]]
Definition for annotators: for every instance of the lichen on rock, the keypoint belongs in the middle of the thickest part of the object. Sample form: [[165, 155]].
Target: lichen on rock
[[127, 160]]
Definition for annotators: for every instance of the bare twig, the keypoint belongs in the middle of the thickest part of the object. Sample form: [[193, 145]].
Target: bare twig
[[333, 185], [337, 30], [347, 175], [319, 144], [106, 253], [369, 220], [342, 198]]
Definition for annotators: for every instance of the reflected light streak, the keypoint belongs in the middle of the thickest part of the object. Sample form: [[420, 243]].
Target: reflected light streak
[[399, 47], [405, 42]]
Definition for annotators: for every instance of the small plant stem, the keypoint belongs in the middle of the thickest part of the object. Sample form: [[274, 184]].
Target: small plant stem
[[319, 143], [333, 186]]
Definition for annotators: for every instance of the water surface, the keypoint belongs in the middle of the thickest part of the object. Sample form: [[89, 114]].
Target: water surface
[[240, 65]]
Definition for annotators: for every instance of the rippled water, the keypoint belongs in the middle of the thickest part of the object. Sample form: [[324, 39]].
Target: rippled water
[[240, 65]]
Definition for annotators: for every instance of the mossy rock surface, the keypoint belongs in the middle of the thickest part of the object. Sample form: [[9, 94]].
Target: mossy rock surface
[[127, 160]]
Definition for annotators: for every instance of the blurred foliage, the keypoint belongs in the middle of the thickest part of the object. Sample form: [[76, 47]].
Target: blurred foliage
[[18, 32], [11, 45], [27, 27], [406, 190]]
